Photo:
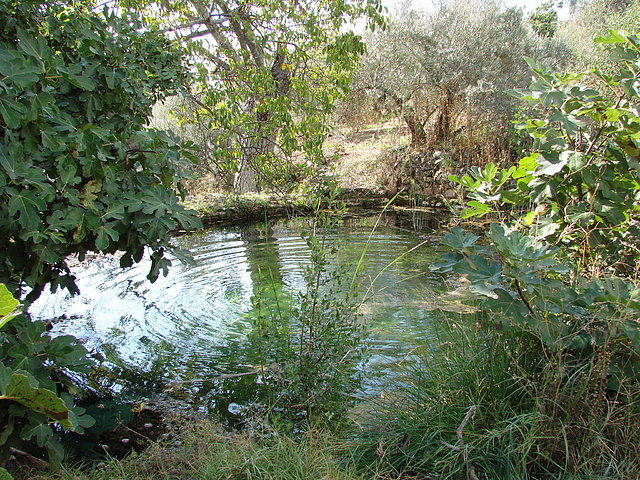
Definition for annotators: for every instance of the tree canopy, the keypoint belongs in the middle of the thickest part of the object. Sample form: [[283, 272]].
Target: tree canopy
[[267, 74], [79, 170], [450, 69]]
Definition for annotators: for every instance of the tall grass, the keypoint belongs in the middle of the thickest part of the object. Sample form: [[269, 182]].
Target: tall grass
[[480, 402]]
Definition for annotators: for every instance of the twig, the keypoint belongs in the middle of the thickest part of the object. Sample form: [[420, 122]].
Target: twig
[[33, 461], [471, 471], [600, 130], [135, 432], [522, 297], [212, 379], [461, 447]]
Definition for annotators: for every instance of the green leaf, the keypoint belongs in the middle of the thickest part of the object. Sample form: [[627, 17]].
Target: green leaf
[[447, 262], [8, 305], [159, 263], [41, 103], [579, 214], [479, 269], [103, 233], [575, 160], [465, 181], [550, 163], [14, 163], [613, 114], [187, 219], [516, 246], [67, 173], [12, 112], [82, 81], [55, 450], [51, 139], [529, 164], [4, 475], [156, 201], [484, 288], [24, 390], [477, 210], [614, 37], [6, 432], [528, 218], [34, 45], [458, 239], [42, 432], [545, 227], [66, 219], [27, 204], [80, 420], [611, 211], [15, 69]]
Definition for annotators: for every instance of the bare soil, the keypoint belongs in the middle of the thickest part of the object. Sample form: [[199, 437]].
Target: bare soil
[[357, 154]]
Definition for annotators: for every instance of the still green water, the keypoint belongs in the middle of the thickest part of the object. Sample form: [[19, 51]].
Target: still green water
[[188, 331]]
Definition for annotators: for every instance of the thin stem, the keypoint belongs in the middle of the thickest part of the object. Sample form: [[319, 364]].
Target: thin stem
[[522, 297]]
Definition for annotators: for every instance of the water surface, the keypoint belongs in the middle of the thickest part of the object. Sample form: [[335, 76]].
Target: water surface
[[190, 328]]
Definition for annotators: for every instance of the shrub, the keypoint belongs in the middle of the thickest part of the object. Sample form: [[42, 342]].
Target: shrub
[[78, 169], [310, 349], [544, 381], [36, 385]]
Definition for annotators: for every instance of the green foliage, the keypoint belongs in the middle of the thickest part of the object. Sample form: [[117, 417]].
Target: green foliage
[[520, 280], [544, 20], [267, 76], [582, 181], [570, 339], [8, 305], [594, 18], [310, 352], [412, 428], [536, 414], [78, 170], [36, 389], [449, 85]]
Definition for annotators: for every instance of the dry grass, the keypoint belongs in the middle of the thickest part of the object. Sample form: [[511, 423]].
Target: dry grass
[[357, 164], [205, 452]]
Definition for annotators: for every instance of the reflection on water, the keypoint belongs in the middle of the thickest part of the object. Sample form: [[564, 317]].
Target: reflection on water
[[192, 325]]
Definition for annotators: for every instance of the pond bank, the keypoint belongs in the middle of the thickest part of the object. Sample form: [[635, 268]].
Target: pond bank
[[228, 209]]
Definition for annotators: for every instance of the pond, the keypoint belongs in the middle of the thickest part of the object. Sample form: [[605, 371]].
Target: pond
[[188, 331]]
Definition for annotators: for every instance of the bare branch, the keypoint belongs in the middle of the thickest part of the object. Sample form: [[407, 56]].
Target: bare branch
[[214, 28], [196, 34], [244, 33]]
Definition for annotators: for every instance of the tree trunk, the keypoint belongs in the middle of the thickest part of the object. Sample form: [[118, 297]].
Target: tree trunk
[[262, 141], [442, 127], [246, 179], [416, 129]]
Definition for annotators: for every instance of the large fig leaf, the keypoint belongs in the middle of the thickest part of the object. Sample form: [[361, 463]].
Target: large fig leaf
[[8, 305], [23, 389]]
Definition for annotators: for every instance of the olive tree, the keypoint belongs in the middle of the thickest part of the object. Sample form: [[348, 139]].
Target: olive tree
[[79, 170], [449, 69], [594, 18], [268, 73]]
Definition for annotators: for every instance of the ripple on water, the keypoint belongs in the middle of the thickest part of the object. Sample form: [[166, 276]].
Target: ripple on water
[[198, 316]]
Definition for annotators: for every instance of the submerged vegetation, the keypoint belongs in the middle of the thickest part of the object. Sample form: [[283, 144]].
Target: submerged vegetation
[[537, 377]]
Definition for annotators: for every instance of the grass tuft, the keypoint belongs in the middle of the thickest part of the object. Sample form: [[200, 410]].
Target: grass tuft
[[205, 452]]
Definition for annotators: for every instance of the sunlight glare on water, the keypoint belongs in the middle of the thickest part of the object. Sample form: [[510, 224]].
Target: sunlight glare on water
[[195, 320]]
